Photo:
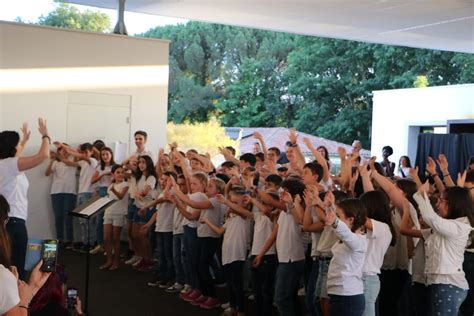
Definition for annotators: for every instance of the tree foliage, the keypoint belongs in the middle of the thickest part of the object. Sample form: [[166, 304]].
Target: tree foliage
[[204, 137], [68, 16], [246, 77]]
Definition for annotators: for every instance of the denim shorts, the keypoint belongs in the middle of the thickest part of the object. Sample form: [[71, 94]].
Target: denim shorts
[[321, 284], [145, 218], [132, 210]]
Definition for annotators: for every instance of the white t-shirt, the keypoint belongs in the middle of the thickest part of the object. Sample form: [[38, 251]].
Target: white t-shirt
[[85, 177], [234, 245], [105, 181], [378, 241], [289, 243], [214, 216], [262, 230], [314, 236], [142, 183], [164, 216], [64, 178], [178, 219], [145, 152], [14, 187], [199, 197], [345, 268], [9, 296], [120, 207]]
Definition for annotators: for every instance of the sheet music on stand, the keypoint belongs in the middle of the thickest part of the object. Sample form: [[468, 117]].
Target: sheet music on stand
[[92, 206]]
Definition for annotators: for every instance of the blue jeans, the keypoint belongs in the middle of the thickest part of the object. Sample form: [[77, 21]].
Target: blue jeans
[[321, 283], [178, 258], [352, 305], [191, 249], [18, 234], [84, 223], [286, 288], [467, 307], [371, 292], [310, 298], [62, 204], [263, 284], [446, 299], [100, 218], [164, 245]]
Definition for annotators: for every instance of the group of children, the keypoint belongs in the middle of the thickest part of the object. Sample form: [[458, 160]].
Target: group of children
[[363, 242]]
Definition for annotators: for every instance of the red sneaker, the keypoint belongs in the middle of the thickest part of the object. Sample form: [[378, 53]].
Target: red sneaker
[[186, 294], [210, 303], [191, 297], [201, 299]]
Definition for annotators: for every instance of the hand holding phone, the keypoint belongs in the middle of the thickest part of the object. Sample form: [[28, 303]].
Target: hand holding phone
[[71, 297], [50, 255]]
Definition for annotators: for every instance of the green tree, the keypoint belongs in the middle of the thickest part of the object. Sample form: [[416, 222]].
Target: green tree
[[68, 16]]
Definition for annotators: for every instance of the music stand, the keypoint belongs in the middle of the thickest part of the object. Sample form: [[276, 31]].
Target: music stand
[[86, 211]]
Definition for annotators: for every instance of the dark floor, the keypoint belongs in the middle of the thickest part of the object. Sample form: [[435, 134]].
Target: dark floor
[[124, 291]]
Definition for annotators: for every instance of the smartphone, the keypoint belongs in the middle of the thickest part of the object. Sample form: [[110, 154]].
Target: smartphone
[[71, 297], [50, 255]]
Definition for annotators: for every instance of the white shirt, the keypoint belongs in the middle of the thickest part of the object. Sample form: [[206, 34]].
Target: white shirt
[[214, 216], [145, 152], [444, 247], [164, 216], [178, 219], [314, 236], [378, 241], [85, 177], [199, 197], [396, 256], [345, 268], [327, 239], [418, 260], [289, 243], [64, 178], [142, 183], [9, 296], [14, 187], [120, 207], [234, 245], [105, 181], [262, 230]]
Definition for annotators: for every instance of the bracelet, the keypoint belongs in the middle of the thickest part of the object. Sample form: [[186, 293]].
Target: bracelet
[[434, 175], [446, 175], [23, 306], [46, 136]]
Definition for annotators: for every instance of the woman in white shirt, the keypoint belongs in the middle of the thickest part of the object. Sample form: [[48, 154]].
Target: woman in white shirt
[[15, 294], [404, 166], [63, 194], [445, 245], [380, 235], [344, 283], [14, 185]]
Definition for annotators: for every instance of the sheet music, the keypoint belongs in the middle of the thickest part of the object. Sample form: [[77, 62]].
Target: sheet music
[[95, 206]]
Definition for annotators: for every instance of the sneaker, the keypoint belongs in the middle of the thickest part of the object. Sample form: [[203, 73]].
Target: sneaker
[[83, 249], [229, 311], [155, 281], [200, 300], [145, 266], [133, 259], [97, 249], [186, 288], [225, 305], [210, 303], [192, 296], [251, 297], [138, 262], [174, 288], [165, 284], [184, 295]]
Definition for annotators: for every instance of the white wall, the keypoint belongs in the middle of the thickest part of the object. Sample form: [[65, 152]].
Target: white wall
[[39, 66], [398, 114]]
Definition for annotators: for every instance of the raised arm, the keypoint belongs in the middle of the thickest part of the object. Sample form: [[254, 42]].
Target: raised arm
[[259, 137], [443, 165], [25, 136], [406, 226], [319, 158], [365, 175], [217, 229], [239, 209], [431, 168], [395, 195], [25, 163]]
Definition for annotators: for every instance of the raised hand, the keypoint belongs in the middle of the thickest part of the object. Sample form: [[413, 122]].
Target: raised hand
[[461, 180], [286, 197], [443, 163], [293, 136], [431, 166], [42, 127], [26, 133], [38, 278], [258, 136], [413, 172]]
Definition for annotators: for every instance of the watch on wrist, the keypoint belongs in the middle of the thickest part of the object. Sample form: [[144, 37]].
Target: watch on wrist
[[336, 223]]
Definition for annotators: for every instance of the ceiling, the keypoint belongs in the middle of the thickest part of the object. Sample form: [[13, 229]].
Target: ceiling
[[435, 24]]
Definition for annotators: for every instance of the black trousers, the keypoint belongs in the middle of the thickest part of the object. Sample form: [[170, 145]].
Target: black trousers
[[16, 228]]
